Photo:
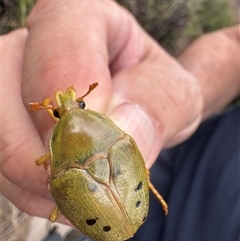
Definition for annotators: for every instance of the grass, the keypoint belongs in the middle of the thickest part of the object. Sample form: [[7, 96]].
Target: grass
[[14, 13]]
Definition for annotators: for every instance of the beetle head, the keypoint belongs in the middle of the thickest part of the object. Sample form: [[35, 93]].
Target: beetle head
[[68, 100]]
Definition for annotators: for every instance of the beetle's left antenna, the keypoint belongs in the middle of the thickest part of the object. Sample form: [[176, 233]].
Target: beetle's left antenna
[[45, 105]]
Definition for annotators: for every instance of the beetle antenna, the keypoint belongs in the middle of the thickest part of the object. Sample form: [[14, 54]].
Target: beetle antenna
[[91, 87], [45, 105], [36, 105]]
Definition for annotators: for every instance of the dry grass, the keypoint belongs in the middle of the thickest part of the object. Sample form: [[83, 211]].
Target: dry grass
[[13, 14]]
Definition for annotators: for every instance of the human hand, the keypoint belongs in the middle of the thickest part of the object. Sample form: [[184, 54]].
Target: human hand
[[135, 76], [143, 89]]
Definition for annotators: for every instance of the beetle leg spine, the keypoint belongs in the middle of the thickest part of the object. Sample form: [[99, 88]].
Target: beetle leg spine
[[55, 214], [157, 194]]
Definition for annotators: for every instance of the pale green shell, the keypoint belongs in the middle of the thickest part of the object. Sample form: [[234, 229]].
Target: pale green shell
[[99, 180]]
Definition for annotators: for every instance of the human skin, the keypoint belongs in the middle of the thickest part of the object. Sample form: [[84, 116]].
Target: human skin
[[159, 100]]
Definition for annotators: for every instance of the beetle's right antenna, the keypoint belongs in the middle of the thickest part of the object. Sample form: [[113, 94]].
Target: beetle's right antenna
[[91, 87]]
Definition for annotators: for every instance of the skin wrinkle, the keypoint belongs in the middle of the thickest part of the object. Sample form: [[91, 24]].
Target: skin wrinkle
[[30, 203], [116, 63], [180, 102], [49, 65], [8, 134], [21, 147], [206, 67], [185, 93], [20, 175], [232, 36], [113, 48], [69, 25], [148, 55], [13, 149], [54, 64], [73, 71]]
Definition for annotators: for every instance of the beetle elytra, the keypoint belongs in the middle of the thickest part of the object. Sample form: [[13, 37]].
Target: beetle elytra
[[98, 178]]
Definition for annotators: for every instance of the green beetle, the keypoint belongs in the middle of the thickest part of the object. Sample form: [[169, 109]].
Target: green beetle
[[98, 178]]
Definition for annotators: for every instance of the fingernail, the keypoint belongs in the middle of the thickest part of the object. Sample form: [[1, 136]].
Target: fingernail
[[135, 122]]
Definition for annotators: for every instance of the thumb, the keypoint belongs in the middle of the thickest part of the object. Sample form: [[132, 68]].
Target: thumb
[[153, 102], [136, 122]]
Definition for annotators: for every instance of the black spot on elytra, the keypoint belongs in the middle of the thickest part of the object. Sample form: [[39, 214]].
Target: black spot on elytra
[[91, 222], [144, 219], [117, 172], [92, 187], [106, 228], [138, 204], [139, 187]]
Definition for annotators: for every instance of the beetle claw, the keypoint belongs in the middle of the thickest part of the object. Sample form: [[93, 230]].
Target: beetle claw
[[55, 214], [42, 160]]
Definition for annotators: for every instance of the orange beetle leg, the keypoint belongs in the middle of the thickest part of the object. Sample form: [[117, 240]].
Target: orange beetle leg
[[90, 88], [55, 214], [42, 160], [157, 194], [45, 105]]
